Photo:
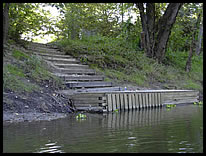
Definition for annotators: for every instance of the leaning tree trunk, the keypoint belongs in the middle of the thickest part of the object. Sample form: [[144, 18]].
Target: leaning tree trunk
[[157, 34], [5, 22], [164, 30]]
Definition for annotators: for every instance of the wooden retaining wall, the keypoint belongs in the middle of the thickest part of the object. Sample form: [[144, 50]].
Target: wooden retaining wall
[[130, 100]]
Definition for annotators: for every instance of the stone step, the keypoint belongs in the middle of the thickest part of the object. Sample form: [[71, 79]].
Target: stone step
[[94, 84], [67, 77], [73, 66], [77, 71]]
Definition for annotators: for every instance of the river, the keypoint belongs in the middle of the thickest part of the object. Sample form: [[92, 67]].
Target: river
[[157, 130]]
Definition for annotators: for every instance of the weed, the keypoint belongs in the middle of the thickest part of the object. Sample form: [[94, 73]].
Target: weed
[[14, 70], [19, 55], [120, 61], [190, 84]]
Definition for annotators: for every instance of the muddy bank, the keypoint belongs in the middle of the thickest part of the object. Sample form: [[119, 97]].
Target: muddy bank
[[45, 104], [10, 117]]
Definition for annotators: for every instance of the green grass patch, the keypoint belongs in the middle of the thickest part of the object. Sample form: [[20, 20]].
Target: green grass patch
[[14, 70], [19, 55], [27, 73], [16, 82], [122, 62], [192, 85]]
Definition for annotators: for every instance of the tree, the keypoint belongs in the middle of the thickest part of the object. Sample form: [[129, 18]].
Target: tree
[[157, 31], [5, 22], [199, 41], [193, 40], [28, 18]]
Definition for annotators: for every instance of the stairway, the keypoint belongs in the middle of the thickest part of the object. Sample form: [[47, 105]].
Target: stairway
[[77, 77]]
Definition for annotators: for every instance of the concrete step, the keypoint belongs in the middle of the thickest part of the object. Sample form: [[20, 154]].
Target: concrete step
[[73, 66], [94, 84], [77, 71], [67, 77]]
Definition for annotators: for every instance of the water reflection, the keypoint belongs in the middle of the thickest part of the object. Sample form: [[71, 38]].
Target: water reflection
[[146, 130], [145, 117], [50, 148]]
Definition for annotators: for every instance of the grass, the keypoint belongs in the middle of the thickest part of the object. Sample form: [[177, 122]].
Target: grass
[[19, 55], [16, 81], [120, 62], [25, 73]]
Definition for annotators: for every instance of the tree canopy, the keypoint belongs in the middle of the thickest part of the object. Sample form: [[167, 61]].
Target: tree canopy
[[158, 27]]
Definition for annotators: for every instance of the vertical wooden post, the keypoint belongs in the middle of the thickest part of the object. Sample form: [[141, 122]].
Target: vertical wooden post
[[153, 101], [133, 101], [125, 101], [156, 100], [121, 101], [130, 100], [143, 100], [161, 98], [150, 100], [109, 102], [118, 101], [146, 99], [140, 100], [114, 102], [137, 100]]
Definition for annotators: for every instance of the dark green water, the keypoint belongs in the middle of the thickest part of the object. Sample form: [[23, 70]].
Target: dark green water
[[179, 130]]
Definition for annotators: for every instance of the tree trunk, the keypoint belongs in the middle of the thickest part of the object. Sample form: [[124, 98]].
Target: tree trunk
[[5, 22], [189, 60], [192, 46], [157, 34], [199, 42], [164, 29], [148, 25]]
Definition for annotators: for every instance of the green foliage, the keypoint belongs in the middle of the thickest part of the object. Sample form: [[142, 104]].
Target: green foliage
[[14, 70], [19, 55], [28, 18], [18, 76], [81, 116], [121, 62], [101, 38], [14, 80], [116, 110], [199, 103], [38, 70], [190, 84], [170, 105], [181, 34]]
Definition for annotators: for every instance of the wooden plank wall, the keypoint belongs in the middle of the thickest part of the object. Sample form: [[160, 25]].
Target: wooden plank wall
[[125, 101], [111, 101], [180, 97]]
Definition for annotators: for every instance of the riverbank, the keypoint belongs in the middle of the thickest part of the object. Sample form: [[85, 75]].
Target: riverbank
[[30, 91]]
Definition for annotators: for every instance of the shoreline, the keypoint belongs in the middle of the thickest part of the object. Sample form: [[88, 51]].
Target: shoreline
[[12, 118]]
